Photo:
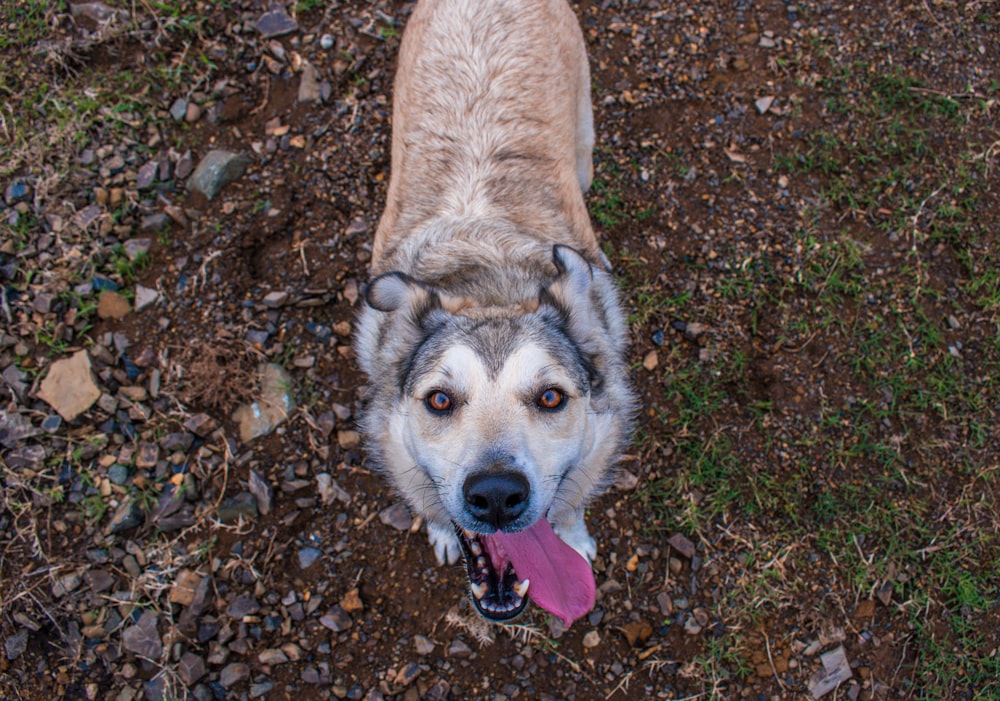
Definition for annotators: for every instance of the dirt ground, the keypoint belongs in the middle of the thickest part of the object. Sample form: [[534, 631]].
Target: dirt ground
[[800, 202]]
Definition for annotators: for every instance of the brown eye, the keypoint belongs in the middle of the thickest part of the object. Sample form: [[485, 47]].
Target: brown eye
[[551, 399], [438, 402]]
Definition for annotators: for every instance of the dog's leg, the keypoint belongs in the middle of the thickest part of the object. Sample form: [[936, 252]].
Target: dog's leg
[[445, 543], [573, 531]]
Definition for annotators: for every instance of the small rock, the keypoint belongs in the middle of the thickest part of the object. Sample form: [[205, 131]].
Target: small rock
[[193, 113], [592, 639], [307, 556], [407, 675], [337, 620], [273, 408], [128, 515], [326, 42], [397, 516], [232, 674], [836, 670], [763, 104], [137, 247], [352, 601], [15, 645], [190, 668], [178, 109], [112, 305], [143, 639], [99, 580], [262, 491], [216, 170], [309, 86], [682, 545], [201, 425], [348, 440], [146, 175], [69, 387], [276, 23], [244, 605], [272, 656], [651, 361], [152, 223], [62, 586], [147, 455], [145, 296], [261, 688], [243, 504], [459, 649], [16, 192], [423, 645], [625, 481], [276, 299], [185, 587]]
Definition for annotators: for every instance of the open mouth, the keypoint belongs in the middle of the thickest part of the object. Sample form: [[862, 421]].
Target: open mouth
[[505, 569], [497, 593]]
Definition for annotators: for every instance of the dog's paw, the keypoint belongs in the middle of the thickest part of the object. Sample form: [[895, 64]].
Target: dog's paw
[[445, 543], [575, 535]]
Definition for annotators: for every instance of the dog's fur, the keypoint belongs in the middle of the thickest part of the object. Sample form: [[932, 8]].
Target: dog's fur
[[489, 282]]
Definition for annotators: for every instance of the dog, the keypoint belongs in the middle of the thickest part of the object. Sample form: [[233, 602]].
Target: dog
[[492, 333]]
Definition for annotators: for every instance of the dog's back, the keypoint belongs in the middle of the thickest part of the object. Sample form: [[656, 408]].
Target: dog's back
[[491, 120]]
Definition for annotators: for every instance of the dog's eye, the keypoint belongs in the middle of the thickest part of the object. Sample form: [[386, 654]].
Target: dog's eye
[[438, 402], [551, 399]]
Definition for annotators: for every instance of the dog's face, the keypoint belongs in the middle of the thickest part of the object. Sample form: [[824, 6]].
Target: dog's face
[[495, 424]]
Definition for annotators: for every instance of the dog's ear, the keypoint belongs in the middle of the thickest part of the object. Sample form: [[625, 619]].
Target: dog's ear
[[571, 291], [391, 291]]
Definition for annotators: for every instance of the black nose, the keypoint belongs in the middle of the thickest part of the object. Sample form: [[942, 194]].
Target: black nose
[[496, 498]]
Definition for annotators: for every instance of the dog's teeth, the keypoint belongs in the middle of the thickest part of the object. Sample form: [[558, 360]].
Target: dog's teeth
[[480, 562], [521, 588], [479, 590], [475, 548]]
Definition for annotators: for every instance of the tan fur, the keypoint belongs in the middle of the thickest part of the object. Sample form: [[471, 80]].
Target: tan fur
[[490, 124]]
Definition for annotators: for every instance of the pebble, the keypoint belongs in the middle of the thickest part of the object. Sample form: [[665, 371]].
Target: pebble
[[397, 516], [232, 674], [262, 491], [591, 639], [423, 645], [69, 386], [275, 23], [217, 169], [307, 556], [459, 649], [190, 668], [143, 639], [337, 620], [242, 505], [326, 42], [113, 305], [272, 656], [178, 109]]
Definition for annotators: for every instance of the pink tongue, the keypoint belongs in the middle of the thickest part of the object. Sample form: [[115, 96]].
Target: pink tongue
[[562, 582]]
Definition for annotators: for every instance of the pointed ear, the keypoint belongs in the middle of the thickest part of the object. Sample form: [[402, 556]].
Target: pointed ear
[[571, 292], [391, 291]]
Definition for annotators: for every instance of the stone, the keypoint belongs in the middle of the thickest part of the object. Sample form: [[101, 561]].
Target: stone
[[185, 587], [337, 620], [276, 299], [243, 606], [262, 491], [681, 544], [69, 386], [307, 556], [272, 409], [591, 639], [836, 670], [396, 516], [128, 515], [242, 505], [190, 668], [145, 296], [16, 192], [112, 305], [143, 639], [137, 247], [15, 427], [309, 85], [146, 175], [217, 169], [178, 109], [423, 645], [276, 23], [232, 674], [763, 104], [201, 425], [272, 656]]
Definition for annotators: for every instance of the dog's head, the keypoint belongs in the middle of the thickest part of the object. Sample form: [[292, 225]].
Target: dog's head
[[498, 423]]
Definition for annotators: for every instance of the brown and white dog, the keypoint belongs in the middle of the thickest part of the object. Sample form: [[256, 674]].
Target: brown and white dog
[[492, 334]]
